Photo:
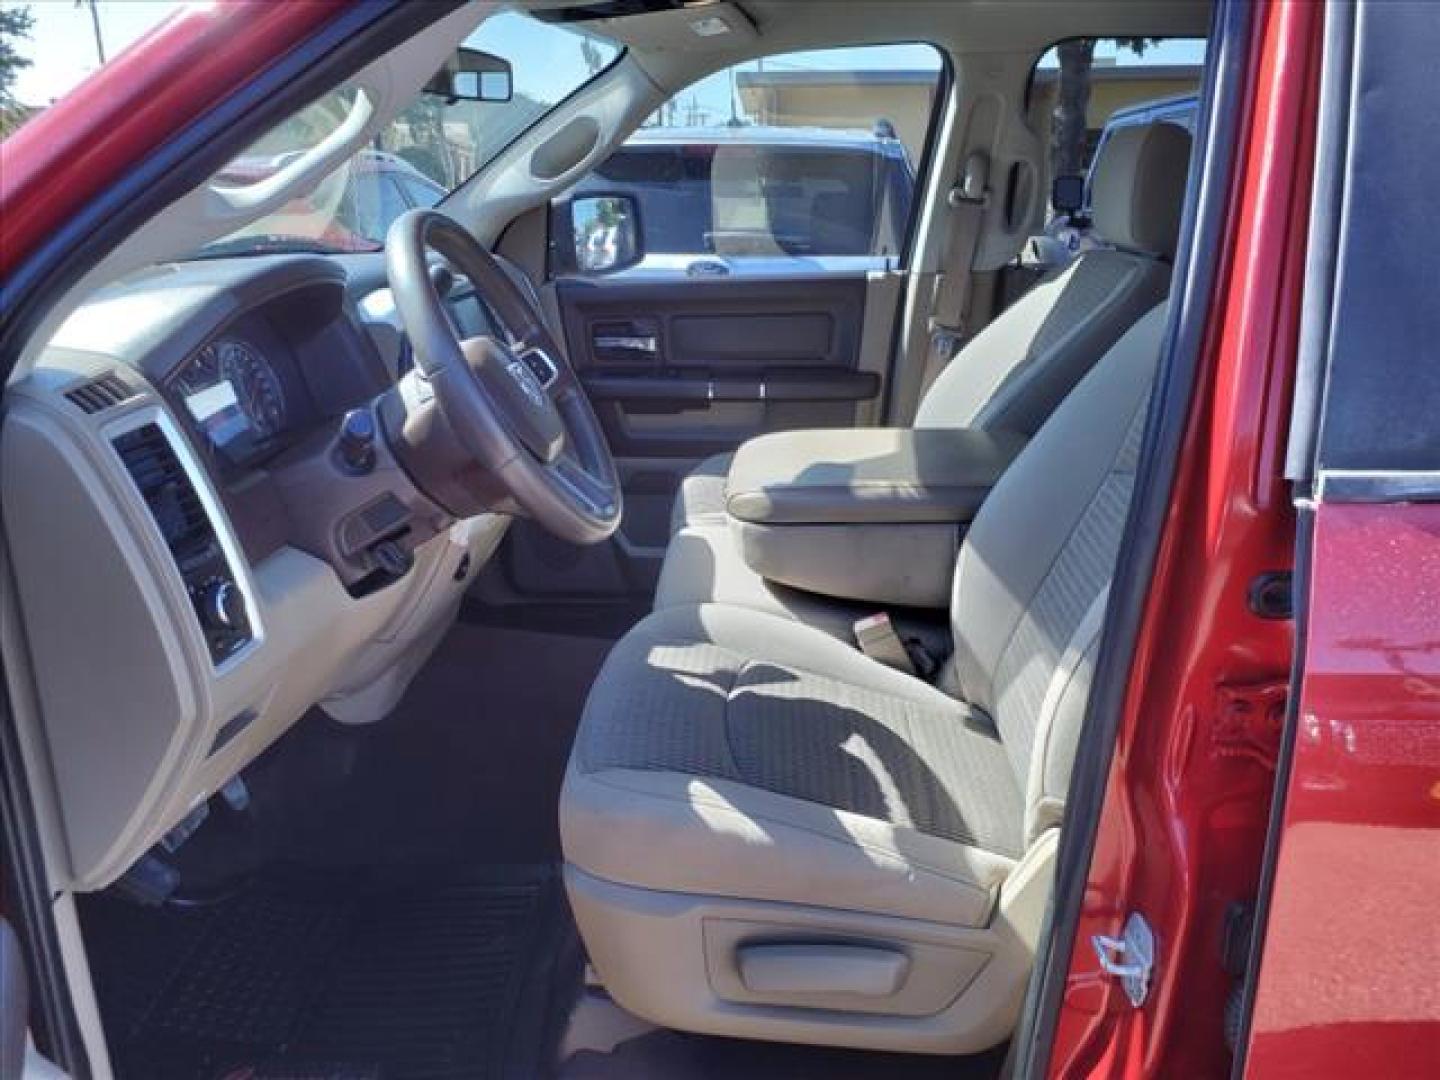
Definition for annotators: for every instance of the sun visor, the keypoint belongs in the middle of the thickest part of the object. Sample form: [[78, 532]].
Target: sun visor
[[697, 27]]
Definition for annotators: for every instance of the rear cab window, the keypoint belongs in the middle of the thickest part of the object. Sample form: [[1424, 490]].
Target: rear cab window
[[1082, 91]]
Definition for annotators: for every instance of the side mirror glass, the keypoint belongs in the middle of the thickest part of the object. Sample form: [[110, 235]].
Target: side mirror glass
[[1067, 194], [606, 233], [472, 75]]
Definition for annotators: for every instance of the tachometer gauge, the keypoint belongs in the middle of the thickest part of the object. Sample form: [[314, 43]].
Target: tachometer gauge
[[257, 387]]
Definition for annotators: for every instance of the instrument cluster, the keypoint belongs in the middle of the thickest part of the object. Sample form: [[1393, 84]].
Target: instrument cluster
[[236, 397]]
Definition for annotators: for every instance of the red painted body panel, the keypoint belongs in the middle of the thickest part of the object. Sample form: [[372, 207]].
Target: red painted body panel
[[190, 63], [1183, 825], [1350, 977]]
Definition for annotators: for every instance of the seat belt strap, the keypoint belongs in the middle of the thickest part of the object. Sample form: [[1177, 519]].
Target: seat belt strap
[[967, 200]]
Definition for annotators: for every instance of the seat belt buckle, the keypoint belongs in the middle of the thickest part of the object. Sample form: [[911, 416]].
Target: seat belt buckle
[[876, 636]]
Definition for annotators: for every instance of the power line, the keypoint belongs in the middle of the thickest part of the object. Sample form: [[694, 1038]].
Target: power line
[[94, 7]]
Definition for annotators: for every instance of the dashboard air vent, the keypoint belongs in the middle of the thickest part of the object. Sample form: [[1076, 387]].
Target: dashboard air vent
[[170, 495], [97, 395], [166, 489]]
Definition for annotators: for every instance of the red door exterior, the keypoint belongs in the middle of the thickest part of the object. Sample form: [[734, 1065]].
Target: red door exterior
[[1350, 977]]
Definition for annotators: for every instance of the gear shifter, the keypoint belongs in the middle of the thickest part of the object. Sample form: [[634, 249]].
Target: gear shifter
[[355, 443]]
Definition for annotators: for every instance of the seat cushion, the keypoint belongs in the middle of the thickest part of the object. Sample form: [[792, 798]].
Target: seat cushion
[[728, 752], [701, 498]]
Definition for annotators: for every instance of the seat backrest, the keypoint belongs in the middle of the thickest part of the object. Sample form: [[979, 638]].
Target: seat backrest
[[1016, 371], [1034, 571]]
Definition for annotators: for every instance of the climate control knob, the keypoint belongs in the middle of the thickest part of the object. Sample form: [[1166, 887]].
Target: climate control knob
[[223, 606]]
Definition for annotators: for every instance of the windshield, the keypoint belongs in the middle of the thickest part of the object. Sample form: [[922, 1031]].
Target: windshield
[[433, 146]]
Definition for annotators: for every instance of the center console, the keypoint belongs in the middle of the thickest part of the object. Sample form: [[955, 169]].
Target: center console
[[873, 514]]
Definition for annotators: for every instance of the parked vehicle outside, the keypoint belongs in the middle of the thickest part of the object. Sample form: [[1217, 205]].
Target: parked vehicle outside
[[762, 200], [351, 210]]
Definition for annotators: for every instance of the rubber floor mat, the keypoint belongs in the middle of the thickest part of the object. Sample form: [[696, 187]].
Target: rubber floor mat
[[341, 975]]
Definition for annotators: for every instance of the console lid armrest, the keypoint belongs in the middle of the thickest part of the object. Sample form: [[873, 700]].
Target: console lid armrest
[[865, 475], [873, 514]]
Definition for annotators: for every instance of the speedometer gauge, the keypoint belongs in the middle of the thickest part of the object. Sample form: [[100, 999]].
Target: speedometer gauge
[[257, 387]]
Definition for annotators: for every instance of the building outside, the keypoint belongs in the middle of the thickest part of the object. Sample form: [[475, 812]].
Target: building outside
[[858, 100], [854, 100]]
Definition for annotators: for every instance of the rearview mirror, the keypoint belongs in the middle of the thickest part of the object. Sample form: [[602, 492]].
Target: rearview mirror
[[1067, 194], [605, 231], [472, 75]]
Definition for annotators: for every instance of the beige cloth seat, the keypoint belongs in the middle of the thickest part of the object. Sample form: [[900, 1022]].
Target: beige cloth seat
[[768, 834], [1010, 376]]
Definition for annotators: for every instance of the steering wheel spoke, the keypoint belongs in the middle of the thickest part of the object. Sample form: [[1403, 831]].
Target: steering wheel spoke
[[581, 484]]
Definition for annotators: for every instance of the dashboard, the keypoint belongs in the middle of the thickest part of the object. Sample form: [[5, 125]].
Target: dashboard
[[195, 567]]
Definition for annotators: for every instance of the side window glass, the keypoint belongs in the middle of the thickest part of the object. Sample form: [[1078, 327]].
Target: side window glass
[[420, 193], [392, 203], [804, 162], [362, 213]]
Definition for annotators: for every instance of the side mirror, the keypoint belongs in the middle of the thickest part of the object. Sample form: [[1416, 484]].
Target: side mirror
[[605, 233], [472, 75], [1067, 194]]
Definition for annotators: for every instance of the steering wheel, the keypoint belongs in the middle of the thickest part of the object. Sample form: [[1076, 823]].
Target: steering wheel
[[512, 402]]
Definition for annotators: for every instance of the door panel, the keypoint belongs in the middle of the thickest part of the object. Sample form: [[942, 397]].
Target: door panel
[[1348, 961], [690, 368]]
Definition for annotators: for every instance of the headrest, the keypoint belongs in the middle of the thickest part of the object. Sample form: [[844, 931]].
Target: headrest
[[1138, 189]]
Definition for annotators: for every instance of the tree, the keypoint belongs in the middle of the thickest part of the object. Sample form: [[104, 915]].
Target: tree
[[15, 25], [1072, 101], [591, 54], [429, 149]]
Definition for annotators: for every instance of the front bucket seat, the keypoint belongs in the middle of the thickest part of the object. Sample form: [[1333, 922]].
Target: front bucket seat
[[768, 834]]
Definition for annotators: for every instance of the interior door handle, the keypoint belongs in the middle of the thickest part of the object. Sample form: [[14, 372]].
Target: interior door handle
[[707, 268], [628, 342]]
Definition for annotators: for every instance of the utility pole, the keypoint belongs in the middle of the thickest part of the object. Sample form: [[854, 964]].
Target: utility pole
[[94, 7]]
